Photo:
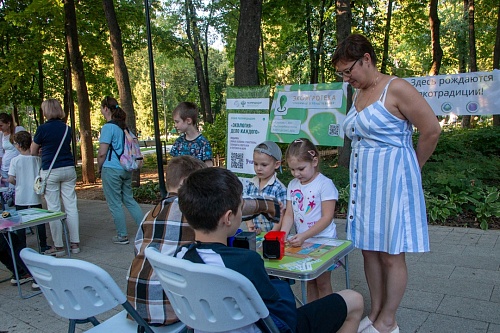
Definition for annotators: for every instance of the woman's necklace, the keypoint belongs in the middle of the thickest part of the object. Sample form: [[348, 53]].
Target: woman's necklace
[[371, 88]]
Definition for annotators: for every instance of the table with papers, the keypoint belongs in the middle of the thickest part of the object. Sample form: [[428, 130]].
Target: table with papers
[[29, 218], [311, 260]]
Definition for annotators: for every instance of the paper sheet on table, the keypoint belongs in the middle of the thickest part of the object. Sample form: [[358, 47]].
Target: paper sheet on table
[[301, 265], [32, 214]]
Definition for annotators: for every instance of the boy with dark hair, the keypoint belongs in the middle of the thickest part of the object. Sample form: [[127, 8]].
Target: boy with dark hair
[[165, 229], [191, 141], [211, 202]]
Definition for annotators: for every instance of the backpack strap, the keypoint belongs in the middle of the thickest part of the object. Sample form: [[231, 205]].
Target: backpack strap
[[110, 148]]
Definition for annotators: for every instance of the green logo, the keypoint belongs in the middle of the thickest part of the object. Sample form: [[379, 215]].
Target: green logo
[[283, 100], [446, 107]]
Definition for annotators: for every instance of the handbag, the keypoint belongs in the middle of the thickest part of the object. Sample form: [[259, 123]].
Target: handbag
[[40, 183]]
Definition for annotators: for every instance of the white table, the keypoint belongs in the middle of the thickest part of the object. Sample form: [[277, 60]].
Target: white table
[[29, 218]]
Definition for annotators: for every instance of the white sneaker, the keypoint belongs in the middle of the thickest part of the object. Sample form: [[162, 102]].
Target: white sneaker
[[22, 280], [35, 286]]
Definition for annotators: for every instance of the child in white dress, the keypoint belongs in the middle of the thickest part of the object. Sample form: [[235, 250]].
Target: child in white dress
[[311, 199]]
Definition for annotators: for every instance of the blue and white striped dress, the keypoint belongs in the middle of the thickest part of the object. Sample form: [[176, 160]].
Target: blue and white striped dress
[[386, 205]]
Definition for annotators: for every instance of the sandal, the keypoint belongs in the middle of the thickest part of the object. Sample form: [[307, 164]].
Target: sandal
[[365, 322], [55, 252], [75, 248]]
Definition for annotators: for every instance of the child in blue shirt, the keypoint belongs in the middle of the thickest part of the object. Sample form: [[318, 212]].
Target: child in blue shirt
[[191, 141]]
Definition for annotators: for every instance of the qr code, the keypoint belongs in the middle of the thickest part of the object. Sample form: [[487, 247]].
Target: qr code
[[334, 129], [236, 160]]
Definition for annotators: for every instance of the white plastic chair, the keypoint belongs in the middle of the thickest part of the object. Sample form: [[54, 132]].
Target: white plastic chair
[[79, 290], [210, 298]]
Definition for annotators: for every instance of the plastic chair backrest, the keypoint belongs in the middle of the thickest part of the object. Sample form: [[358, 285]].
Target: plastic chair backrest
[[209, 298], [75, 289]]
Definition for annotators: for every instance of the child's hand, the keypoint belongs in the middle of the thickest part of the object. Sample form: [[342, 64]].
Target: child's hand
[[296, 240]]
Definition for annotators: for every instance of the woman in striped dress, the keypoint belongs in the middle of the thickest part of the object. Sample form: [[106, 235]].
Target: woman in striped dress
[[387, 215]]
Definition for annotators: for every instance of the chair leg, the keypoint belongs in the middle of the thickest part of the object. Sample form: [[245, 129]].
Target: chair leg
[[72, 325], [139, 320], [94, 321], [73, 322]]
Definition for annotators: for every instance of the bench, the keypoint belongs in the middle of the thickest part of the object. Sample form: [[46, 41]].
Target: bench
[[147, 143], [152, 144]]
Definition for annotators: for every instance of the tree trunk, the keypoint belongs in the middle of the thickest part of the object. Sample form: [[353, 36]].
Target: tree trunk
[[193, 35], [69, 105], [315, 51], [461, 42], [313, 67], [246, 55], [15, 113], [387, 31], [88, 172], [263, 54], [41, 94], [437, 51], [343, 24], [466, 120], [496, 60], [121, 73]]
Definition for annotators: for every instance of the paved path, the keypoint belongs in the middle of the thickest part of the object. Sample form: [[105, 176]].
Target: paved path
[[454, 288]]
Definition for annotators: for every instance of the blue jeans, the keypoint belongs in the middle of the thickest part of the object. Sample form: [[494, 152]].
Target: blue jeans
[[117, 187]]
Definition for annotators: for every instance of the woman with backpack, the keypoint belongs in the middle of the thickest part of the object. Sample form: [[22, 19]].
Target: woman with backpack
[[116, 181], [58, 168]]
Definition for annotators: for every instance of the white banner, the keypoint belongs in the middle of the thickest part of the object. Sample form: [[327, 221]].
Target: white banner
[[475, 93], [245, 131]]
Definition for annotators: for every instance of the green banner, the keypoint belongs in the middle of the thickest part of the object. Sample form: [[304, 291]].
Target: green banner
[[313, 111]]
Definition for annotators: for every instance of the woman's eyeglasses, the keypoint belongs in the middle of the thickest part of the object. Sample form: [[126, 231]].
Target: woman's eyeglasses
[[347, 72]]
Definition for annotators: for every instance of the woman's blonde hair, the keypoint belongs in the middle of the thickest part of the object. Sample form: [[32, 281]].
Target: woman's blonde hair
[[52, 109]]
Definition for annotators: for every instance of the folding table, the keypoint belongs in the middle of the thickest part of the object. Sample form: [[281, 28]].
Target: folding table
[[29, 218]]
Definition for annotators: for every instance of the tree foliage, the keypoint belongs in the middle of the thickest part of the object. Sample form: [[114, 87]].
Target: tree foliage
[[297, 39]]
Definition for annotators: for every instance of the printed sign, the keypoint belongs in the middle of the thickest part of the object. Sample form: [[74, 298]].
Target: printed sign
[[247, 124], [313, 111], [474, 93]]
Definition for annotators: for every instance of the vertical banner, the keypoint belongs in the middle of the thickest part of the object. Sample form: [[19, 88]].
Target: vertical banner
[[313, 111], [247, 123]]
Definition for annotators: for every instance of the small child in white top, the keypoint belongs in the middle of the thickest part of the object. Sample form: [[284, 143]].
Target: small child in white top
[[23, 170], [311, 199]]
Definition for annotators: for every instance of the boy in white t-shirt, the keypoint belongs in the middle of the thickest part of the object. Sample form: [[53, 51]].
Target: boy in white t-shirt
[[22, 172]]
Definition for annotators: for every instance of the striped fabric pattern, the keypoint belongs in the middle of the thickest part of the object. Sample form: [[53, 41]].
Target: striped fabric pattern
[[386, 206]]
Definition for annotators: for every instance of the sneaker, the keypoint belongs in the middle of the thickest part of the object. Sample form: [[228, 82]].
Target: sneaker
[[120, 240], [22, 280], [35, 286]]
